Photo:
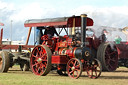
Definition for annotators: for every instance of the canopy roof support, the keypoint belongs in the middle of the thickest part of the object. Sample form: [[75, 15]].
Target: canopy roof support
[[28, 35]]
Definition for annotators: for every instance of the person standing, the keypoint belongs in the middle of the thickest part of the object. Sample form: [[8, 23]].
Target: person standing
[[104, 35], [39, 34], [117, 39]]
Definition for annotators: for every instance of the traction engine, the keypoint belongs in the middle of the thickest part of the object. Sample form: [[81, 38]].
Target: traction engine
[[66, 54]]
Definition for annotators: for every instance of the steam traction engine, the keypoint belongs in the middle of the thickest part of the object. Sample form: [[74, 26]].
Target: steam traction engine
[[68, 54]]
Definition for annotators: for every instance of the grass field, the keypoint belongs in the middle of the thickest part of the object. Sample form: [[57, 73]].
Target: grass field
[[17, 77]]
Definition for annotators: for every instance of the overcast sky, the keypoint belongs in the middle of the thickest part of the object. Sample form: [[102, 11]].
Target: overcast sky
[[111, 13]]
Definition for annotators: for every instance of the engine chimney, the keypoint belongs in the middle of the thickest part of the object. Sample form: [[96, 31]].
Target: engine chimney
[[83, 29]]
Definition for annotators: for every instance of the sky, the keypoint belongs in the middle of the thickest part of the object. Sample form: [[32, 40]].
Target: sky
[[111, 13]]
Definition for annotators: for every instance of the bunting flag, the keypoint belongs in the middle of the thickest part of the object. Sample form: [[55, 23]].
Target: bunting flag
[[1, 24]]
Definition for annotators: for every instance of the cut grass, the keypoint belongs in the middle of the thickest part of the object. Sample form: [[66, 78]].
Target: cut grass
[[17, 77]]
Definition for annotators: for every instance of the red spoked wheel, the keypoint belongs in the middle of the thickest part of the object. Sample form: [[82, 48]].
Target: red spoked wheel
[[94, 69], [74, 68], [40, 60]]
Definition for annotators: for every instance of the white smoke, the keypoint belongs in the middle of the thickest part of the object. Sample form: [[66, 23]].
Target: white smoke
[[108, 16], [112, 32], [113, 19]]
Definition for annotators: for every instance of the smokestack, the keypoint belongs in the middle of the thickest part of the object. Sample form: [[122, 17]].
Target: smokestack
[[83, 29]]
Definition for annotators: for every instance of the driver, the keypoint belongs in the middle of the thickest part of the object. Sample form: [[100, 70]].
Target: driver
[[50, 31]]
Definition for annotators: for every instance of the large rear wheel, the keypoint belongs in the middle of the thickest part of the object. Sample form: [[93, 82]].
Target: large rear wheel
[[108, 56], [40, 60], [4, 61]]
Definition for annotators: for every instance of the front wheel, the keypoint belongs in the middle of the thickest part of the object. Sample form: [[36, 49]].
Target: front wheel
[[74, 68], [94, 69]]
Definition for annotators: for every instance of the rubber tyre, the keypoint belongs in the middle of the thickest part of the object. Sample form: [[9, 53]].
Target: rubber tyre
[[4, 61]]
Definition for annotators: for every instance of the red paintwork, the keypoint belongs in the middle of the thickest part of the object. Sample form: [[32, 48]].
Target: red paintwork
[[62, 44], [59, 59], [78, 21], [122, 50], [24, 47], [45, 24], [67, 52], [1, 36]]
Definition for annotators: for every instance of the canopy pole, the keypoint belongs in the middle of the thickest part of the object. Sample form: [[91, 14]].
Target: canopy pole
[[1, 36], [28, 35], [73, 28]]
